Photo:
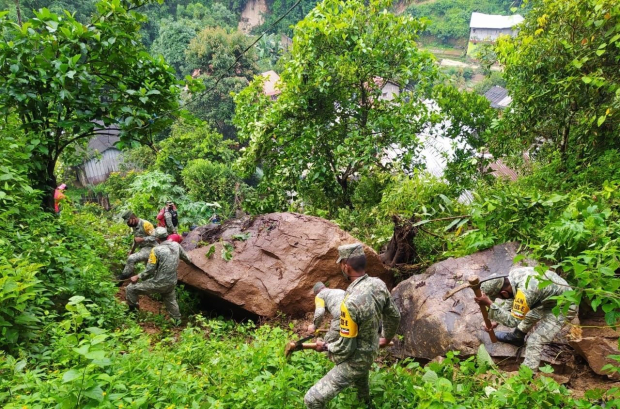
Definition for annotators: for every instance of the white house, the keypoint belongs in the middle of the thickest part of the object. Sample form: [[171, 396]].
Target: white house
[[488, 27]]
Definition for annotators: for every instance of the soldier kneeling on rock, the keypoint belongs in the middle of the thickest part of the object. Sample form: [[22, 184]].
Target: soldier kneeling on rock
[[160, 275], [530, 305]]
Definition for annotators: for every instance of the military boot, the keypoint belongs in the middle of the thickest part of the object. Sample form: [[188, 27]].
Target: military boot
[[132, 310], [516, 338]]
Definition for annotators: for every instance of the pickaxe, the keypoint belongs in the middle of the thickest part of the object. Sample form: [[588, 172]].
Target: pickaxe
[[474, 283], [298, 345]]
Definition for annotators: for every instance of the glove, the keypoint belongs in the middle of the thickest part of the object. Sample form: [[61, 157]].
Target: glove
[[516, 338]]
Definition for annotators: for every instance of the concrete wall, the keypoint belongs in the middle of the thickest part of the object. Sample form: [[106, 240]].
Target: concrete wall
[[389, 91], [489, 34]]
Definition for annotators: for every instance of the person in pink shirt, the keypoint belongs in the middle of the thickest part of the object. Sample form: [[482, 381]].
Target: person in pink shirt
[[58, 196]]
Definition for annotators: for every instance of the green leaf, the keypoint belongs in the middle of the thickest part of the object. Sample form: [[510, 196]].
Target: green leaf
[[430, 376], [483, 358], [95, 393], [601, 120], [98, 355], [70, 375]]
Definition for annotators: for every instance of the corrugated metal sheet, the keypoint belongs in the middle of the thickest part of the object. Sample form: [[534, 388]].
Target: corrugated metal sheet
[[97, 170], [498, 97], [479, 20]]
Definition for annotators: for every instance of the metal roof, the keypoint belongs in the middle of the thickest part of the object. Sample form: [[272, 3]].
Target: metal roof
[[498, 97], [269, 86], [479, 20]]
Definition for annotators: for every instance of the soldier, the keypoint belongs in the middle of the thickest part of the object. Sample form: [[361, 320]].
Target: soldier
[[330, 300], [160, 275], [171, 217], [529, 305], [367, 301], [143, 240]]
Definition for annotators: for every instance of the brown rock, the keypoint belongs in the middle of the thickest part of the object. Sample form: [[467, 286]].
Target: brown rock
[[431, 326], [596, 341], [276, 267]]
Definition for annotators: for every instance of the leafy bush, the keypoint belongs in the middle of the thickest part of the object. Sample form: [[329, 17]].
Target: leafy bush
[[191, 141], [211, 182]]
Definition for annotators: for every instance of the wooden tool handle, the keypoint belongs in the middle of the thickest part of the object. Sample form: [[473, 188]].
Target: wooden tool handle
[[308, 345], [475, 285]]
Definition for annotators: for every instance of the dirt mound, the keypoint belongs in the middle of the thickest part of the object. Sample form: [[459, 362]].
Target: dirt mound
[[274, 260]]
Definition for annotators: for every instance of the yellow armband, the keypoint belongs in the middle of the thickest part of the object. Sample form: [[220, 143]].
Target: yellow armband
[[319, 302], [152, 257], [348, 327], [519, 306]]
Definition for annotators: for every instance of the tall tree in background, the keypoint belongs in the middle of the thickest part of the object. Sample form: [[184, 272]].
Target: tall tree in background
[[216, 56], [330, 121], [59, 77], [563, 74], [173, 39]]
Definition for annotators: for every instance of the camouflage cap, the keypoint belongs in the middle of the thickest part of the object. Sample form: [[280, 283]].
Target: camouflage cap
[[318, 287], [161, 233], [128, 214], [491, 287], [349, 250]]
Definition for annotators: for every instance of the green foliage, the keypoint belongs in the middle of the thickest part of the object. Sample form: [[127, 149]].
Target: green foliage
[[329, 123], [211, 182], [147, 192], [60, 76], [212, 15], [562, 76], [495, 78], [469, 124], [173, 39], [22, 298], [450, 18], [418, 197], [212, 52], [192, 141]]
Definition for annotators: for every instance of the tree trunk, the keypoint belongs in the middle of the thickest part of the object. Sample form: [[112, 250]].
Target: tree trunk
[[400, 249], [19, 13], [43, 179]]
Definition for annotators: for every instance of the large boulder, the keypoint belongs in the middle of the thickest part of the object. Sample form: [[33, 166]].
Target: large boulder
[[431, 326], [276, 259]]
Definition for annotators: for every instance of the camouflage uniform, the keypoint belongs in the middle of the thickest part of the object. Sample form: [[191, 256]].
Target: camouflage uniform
[[143, 229], [366, 302], [169, 224], [329, 300], [160, 277], [531, 305]]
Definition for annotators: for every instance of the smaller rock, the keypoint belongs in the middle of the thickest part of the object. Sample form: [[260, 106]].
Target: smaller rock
[[596, 342]]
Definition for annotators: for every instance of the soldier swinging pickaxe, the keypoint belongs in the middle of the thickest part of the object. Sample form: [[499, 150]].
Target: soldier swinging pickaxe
[[474, 283]]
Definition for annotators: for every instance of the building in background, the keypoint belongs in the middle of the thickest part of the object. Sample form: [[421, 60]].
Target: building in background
[[498, 97], [269, 86], [102, 158], [488, 27]]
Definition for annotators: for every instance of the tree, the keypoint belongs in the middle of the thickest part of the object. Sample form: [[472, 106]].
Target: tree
[[224, 68], [563, 77], [191, 141], [173, 39], [331, 121], [65, 80]]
